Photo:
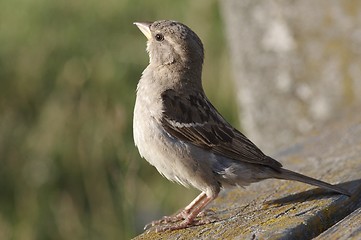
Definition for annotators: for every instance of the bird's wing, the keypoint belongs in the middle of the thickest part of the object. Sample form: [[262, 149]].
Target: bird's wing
[[192, 118]]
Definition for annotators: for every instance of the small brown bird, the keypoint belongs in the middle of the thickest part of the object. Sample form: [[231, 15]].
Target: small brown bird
[[178, 130]]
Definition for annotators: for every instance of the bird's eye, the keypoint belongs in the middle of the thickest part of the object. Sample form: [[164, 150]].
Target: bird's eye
[[159, 37]]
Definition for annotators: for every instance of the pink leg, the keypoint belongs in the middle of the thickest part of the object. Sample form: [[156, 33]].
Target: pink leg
[[183, 214], [190, 213], [197, 209], [189, 208]]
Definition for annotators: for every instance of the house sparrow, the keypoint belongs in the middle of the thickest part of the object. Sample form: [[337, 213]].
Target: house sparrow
[[180, 133]]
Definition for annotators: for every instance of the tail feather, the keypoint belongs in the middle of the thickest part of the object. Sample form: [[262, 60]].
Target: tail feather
[[290, 175]]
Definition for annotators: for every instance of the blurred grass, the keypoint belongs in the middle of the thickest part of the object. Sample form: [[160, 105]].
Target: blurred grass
[[68, 72]]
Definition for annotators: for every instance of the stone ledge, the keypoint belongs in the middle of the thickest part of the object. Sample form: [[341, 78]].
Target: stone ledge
[[348, 228], [276, 209]]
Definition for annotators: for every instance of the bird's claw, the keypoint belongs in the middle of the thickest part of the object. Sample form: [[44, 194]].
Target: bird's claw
[[162, 225], [166, 219]]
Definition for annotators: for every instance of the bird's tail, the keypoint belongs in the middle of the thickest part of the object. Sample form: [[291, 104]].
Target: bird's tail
[[290, 175]]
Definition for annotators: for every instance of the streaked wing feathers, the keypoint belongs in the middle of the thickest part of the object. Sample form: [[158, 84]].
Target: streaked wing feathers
[[192, 118]]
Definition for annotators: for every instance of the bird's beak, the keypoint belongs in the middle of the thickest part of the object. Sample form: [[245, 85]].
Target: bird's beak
[[145, 28]]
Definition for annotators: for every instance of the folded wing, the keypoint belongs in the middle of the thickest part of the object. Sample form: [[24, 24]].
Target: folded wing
[[192, 118]]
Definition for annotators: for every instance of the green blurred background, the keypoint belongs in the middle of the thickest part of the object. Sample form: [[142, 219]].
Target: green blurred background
[[68, 72]]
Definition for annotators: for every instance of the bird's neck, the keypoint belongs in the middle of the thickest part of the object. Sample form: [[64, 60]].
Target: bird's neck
[[177, 75]]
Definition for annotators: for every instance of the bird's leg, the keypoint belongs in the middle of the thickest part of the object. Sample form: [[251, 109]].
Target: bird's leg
[[185, 212], [191, 215], [189, 208], [181, 215]]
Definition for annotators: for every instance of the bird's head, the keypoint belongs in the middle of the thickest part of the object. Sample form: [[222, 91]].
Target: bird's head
[[172, 43]]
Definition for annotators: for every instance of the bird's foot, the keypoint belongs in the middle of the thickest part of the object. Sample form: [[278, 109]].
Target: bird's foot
[[162, 224], [206, 213], [184, 224], [168, 219], [175, 226]]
